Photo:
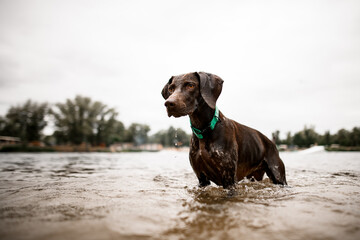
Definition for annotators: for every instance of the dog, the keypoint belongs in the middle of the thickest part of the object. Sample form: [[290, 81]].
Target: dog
[[221, 151]]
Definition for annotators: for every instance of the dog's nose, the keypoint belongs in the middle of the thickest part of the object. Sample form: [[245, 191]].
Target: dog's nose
[[169, 103]]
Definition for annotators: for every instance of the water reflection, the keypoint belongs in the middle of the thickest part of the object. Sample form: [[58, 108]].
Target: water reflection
[[214, 212]]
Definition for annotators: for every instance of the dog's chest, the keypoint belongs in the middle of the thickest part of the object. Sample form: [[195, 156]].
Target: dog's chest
[[211, 159]]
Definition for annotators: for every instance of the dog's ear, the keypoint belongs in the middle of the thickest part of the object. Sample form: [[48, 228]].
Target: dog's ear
[[210, 87], [165, 92]]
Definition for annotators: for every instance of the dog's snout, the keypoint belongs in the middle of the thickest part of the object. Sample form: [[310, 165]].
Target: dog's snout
[[170, 103]]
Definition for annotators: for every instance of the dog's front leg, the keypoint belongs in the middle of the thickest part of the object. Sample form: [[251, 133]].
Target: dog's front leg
[[203, 180], [228, 177]]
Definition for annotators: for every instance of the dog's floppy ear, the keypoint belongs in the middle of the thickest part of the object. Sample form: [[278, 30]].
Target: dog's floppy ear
[[165, 92], [210, 87]]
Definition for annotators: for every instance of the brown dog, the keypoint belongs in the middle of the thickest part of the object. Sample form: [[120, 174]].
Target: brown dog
[[222, 150]]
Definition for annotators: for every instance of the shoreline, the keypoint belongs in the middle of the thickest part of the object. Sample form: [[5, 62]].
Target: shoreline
[[89, 149]]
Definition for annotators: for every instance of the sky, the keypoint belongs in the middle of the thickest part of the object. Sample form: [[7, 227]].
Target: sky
[[285, 64]]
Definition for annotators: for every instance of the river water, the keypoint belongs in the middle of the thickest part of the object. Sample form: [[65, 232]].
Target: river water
[[154, 196]]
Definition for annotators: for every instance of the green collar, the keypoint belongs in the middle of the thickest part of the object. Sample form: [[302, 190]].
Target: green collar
[[199, 133]]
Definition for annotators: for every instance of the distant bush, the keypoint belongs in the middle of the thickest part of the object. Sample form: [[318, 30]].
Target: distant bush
[[343, 149], [22, 148], [308, 137]]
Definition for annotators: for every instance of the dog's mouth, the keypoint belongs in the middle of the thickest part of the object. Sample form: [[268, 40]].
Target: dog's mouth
[[179, 112], [176, 114]]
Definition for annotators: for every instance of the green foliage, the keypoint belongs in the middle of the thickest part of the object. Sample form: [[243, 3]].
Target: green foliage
[[326, 139], [343, 137], [171, 137], [137, 134], [276, 137], [3, 124], [346, 138], [25, 121], [355, 137], [289, 139], [83, 121], [78, 121], [343, 149], [308, 137], [117, 133]]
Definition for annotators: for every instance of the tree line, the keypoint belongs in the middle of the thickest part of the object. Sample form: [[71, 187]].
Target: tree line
[[80, 120], [308, 137]]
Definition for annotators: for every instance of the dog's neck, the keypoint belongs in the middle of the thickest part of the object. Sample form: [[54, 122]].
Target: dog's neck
[[202, 115]]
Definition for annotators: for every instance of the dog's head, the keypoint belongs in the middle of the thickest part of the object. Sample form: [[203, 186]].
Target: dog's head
[[184, 92]]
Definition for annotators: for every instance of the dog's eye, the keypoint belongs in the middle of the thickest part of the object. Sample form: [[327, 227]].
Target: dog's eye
[[171, 89], [190, 86]]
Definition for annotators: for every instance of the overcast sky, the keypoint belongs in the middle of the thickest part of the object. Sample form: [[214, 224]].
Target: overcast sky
[[284, 63]]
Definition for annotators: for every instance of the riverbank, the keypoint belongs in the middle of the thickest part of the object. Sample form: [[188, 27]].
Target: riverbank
[[84, 148], [343, 149]]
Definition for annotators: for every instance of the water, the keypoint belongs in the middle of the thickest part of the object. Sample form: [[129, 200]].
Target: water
[[154, 196]]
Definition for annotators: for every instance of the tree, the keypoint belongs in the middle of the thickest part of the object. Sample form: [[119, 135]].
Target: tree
[[137, 133], [306, 137], [73, 120], [117, 133], [182, 138], [311, 136], [355, 137], [276, 137], [326, 139], [289, 139], [171, 137], [343, 137], [104, 125], [83, 121], [25, 121], [160, 137], [299, 139], [3, 125]]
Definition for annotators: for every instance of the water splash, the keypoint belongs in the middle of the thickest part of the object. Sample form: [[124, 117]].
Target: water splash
[[176, 142]]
